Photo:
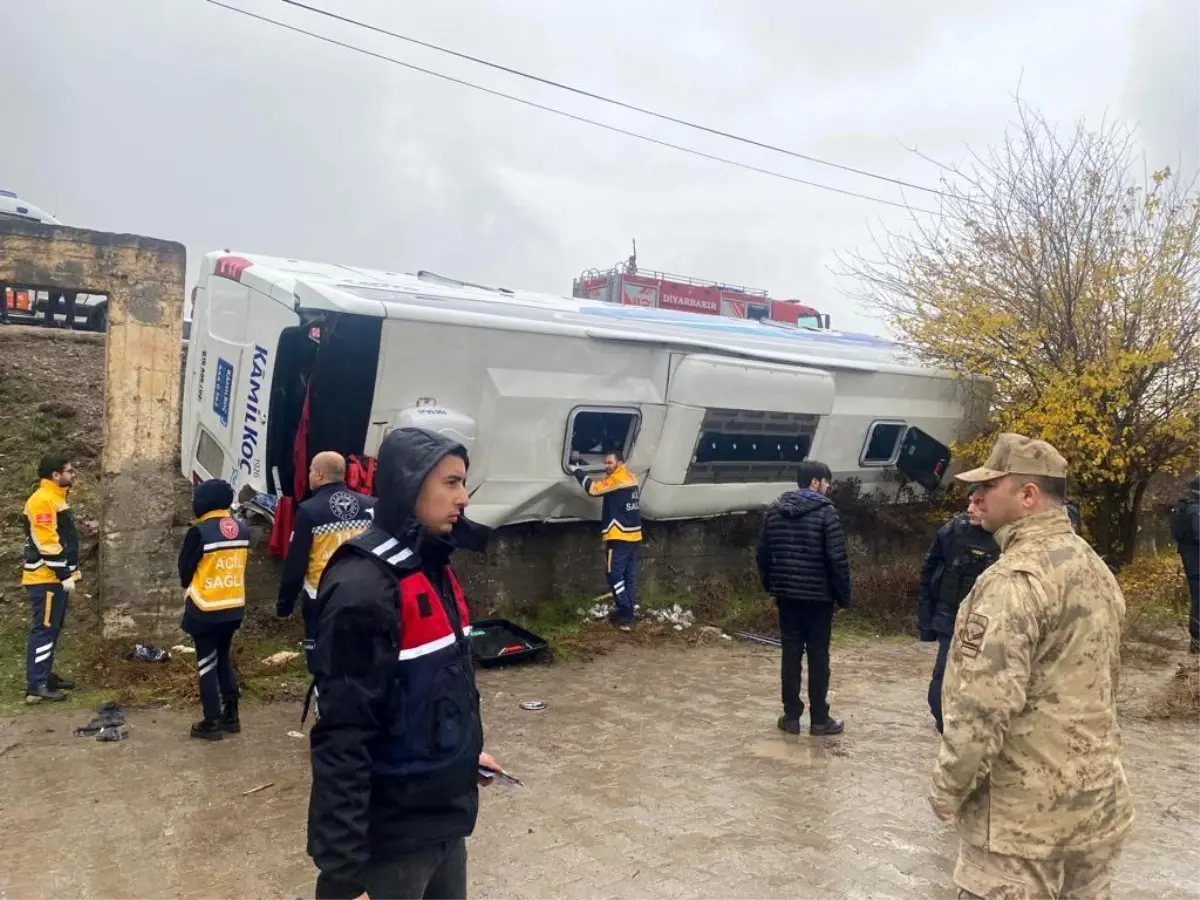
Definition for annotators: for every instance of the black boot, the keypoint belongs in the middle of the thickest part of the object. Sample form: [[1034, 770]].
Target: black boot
[[829, 726], [208, 730], [788, 724], [56, 683], [229, 717], [40, 692]]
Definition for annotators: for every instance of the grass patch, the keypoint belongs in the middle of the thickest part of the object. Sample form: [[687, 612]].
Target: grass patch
[[1156, 606], [884, 609], [1180, 699], [1156, 609], [103, 674], [73, 655]]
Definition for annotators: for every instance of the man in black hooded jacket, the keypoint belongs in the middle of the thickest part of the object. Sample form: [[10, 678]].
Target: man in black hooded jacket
[[961, 550], [1185, 529], [398, 741], [803, 565]]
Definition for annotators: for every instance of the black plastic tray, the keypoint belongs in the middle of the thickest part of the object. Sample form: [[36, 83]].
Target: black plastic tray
[[499, 634]]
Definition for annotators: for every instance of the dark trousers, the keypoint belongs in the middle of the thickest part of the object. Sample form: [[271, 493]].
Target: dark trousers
[[438, 872], [218, 682], [47, 613], [935, 680], [308, 609], [805, 628], [620, 567], [52, 304], [1194, 616]]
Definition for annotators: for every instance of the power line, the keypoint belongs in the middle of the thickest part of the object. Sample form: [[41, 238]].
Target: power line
[[560, 112], [612, 101]]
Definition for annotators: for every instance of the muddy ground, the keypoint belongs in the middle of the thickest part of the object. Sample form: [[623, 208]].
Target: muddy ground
[[653, 772]]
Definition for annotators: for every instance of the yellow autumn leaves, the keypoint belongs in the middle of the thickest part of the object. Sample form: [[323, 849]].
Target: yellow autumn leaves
[[1075, 290]]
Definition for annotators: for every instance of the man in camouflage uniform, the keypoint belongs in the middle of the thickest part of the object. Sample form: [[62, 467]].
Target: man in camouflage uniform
[[1029, 765]]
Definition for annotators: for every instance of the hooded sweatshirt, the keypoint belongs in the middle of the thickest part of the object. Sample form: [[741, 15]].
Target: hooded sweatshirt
[[802, 551], [356, 812]]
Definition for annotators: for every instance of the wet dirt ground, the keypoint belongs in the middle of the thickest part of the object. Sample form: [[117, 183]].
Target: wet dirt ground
[[653, 772]]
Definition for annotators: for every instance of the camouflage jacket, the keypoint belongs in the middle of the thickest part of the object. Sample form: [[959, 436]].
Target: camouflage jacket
[[1029, 759]]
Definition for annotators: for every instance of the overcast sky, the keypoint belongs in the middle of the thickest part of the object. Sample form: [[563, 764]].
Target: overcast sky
[[181, 120]]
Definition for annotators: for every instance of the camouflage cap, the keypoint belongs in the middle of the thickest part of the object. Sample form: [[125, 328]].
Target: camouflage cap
[[1015, 454]]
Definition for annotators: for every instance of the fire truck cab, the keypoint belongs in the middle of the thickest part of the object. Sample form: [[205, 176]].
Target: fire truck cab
[[629, 285]]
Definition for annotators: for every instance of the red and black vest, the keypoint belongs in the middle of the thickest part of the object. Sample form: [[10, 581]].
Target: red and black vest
[[434, 730]]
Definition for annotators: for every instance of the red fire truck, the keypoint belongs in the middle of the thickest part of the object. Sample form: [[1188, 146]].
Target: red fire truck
[[626, 283]]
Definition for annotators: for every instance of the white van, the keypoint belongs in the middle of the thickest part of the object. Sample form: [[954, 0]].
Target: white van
[[13, 207], [714, 414]]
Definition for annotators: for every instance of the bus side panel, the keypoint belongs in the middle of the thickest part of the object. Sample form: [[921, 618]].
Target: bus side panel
[[251, 399], [215, 353], [235, 332]]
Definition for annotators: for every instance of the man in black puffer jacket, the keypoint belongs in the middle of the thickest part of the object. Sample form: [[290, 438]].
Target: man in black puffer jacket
[[961, 551], [803, 565]]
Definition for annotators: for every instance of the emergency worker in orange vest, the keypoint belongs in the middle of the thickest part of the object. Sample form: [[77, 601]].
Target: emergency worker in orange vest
[[621, 530], [51, 570], [212, 568]]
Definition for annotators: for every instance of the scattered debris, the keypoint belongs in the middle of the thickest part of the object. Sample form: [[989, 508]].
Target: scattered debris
[[109, 718], [152, 704], [112, 733], [283, 657], [532, 705], [183, 648], [147, 653], [597, 611], [295, 734], [674, 615], [755, 638], [261, 505], [261, 787]]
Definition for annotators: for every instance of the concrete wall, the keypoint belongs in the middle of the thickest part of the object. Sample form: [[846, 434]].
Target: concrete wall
[[144, 281], [529, 565]]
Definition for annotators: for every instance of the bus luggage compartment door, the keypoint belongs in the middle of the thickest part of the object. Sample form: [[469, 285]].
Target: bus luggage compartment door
[[730, 424]]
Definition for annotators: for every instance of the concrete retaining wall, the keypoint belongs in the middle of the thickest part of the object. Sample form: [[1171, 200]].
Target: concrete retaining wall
[[144, 281]]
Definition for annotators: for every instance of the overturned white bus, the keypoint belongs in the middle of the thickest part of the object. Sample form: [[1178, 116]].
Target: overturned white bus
[[713, 414]]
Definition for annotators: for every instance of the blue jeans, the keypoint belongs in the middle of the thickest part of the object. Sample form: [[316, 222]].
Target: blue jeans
[[620, 558], [935, 681]]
